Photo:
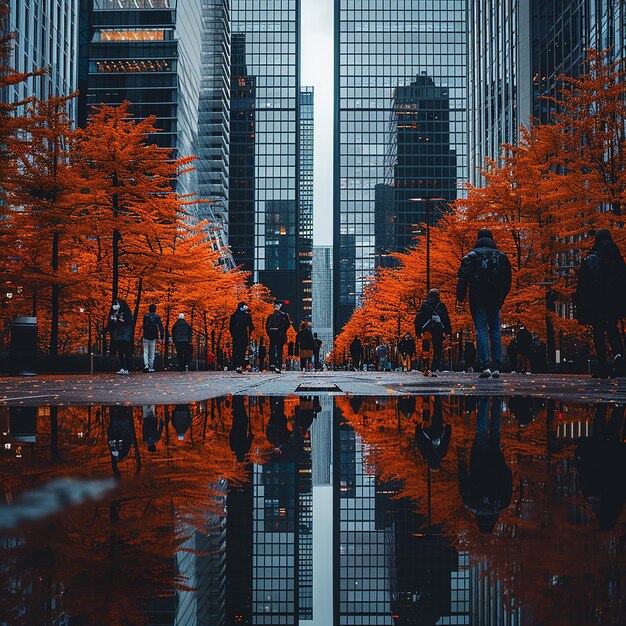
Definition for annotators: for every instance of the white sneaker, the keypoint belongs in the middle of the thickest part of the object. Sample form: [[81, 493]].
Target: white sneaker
[[486, 373], [495, 374], [151, 369], [123, 372]]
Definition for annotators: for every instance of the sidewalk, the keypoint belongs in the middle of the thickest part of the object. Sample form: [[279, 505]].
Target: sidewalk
[[185, 387]]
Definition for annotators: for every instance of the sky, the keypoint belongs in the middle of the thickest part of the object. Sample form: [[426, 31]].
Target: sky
[[317, 70]]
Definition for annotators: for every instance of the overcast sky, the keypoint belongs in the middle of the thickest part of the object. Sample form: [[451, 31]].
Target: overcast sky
[[317, 70]]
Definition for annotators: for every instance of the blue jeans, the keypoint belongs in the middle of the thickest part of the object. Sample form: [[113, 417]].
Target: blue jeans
[[487, 326]]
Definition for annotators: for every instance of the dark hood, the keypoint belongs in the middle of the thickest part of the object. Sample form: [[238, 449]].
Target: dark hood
[[486, 242]]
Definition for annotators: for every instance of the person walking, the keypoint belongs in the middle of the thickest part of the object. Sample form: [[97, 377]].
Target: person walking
[[406, 349], [262, 355], [241, 328], [317, 347], [469, 356], [121, 329], [600, 301], [356, 353], [276, 327], [305, 344], [182, 337], [433, 318], [486, 271], [152, 332], [523, 347]]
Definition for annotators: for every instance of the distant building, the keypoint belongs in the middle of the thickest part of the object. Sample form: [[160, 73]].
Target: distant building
[[322, 277]]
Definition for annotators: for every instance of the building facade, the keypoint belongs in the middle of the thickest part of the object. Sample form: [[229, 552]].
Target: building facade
[[46, 35], [386, 53], [265, 144], [516, 52]]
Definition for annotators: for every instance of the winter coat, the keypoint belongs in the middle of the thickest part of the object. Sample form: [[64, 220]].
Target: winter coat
[[241, 326], [181, 331], [121, 328], [152, 326], [481, 295], [304, 340], [407, 346], [524, 341], [277, 325], [429, 307], [601, 290]]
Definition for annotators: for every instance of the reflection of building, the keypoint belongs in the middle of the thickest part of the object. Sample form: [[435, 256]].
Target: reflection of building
[[305, 210], [421, 163], [396, 43], [322, 277], [268, 42], [516, 52], [45, 37]]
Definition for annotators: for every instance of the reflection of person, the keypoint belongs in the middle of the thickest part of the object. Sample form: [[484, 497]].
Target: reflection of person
[[432, 436], [241, 435], [306, 412], [181, 420], [121, 435], [277, 431], [486, 488], [406, 405], [152, 428], [524, 409], [601, 463]]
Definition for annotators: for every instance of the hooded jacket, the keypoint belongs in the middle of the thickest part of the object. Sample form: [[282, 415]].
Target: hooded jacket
[[431, 305], [181, 331], [469, 272], [241, 326]]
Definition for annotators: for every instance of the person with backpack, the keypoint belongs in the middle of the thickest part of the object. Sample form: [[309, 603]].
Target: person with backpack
[[276, 327], [433, 318], [241, 328], [600, 300], [486, 271], [305, 345], [152, 332], [317, 347], [182, 337]]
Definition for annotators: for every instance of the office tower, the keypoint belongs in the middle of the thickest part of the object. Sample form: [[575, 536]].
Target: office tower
[[264, 144], [516, 51], [45, 37], [322, 277], [389, 55], [304, 311]]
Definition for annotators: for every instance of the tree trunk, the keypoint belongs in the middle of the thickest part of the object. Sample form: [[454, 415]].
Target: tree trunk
[[137, 303], [116, 242], [54, 313]]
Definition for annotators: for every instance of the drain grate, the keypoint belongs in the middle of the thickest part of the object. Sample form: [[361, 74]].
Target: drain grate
[[317, 387]]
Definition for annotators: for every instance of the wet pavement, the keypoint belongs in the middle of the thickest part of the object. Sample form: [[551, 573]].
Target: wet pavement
[[315, 509], [168, 387]]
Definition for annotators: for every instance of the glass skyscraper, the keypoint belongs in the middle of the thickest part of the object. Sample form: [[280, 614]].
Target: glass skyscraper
[[46, 35], [400, 120], [305, 212], [265, 144], [323, 296]]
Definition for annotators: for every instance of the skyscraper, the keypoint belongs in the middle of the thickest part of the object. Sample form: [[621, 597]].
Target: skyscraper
[[305, 211], [46, 36], [265, 144], [385, 54], [322, 277]]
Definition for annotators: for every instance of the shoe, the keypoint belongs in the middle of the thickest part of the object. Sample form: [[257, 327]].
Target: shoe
[[514, 372], [122, 372], [278, 370], [495, 374], [146, 370], [186, 368], [151, 369], [239, 370], [434, 375], [486, 373]]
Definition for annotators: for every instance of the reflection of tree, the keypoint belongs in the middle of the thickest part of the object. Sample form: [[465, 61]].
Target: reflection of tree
[[545, 551], [101, 562]]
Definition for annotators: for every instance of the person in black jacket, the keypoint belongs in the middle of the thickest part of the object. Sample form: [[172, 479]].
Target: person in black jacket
[[406, 348], [121, 327], [276, 327], [487, 487], [356, 353], [524, 348], [600, 300], [182, 337], [487, 272], [433, 318], [241, 328], [152, 332], [317, 347], [305, 345]]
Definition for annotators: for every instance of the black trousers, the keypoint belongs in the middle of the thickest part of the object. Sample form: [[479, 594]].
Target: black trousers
[[437, 343], [239, 352], [603, 332], [124, 350], [276, 353], [183, 354]]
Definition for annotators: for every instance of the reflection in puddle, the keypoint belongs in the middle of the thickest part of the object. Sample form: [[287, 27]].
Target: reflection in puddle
[[428, 510]]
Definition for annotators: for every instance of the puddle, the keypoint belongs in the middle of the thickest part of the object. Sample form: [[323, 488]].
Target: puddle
[[314, 510]]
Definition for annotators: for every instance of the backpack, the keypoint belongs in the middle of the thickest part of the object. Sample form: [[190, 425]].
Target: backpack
[[488, 277], [434, 321], [150, 327]]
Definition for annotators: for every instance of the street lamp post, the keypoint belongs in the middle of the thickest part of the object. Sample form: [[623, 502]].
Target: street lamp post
[[428, 200]]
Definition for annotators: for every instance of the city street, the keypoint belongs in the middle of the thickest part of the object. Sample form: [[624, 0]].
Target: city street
[[178, 388]]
